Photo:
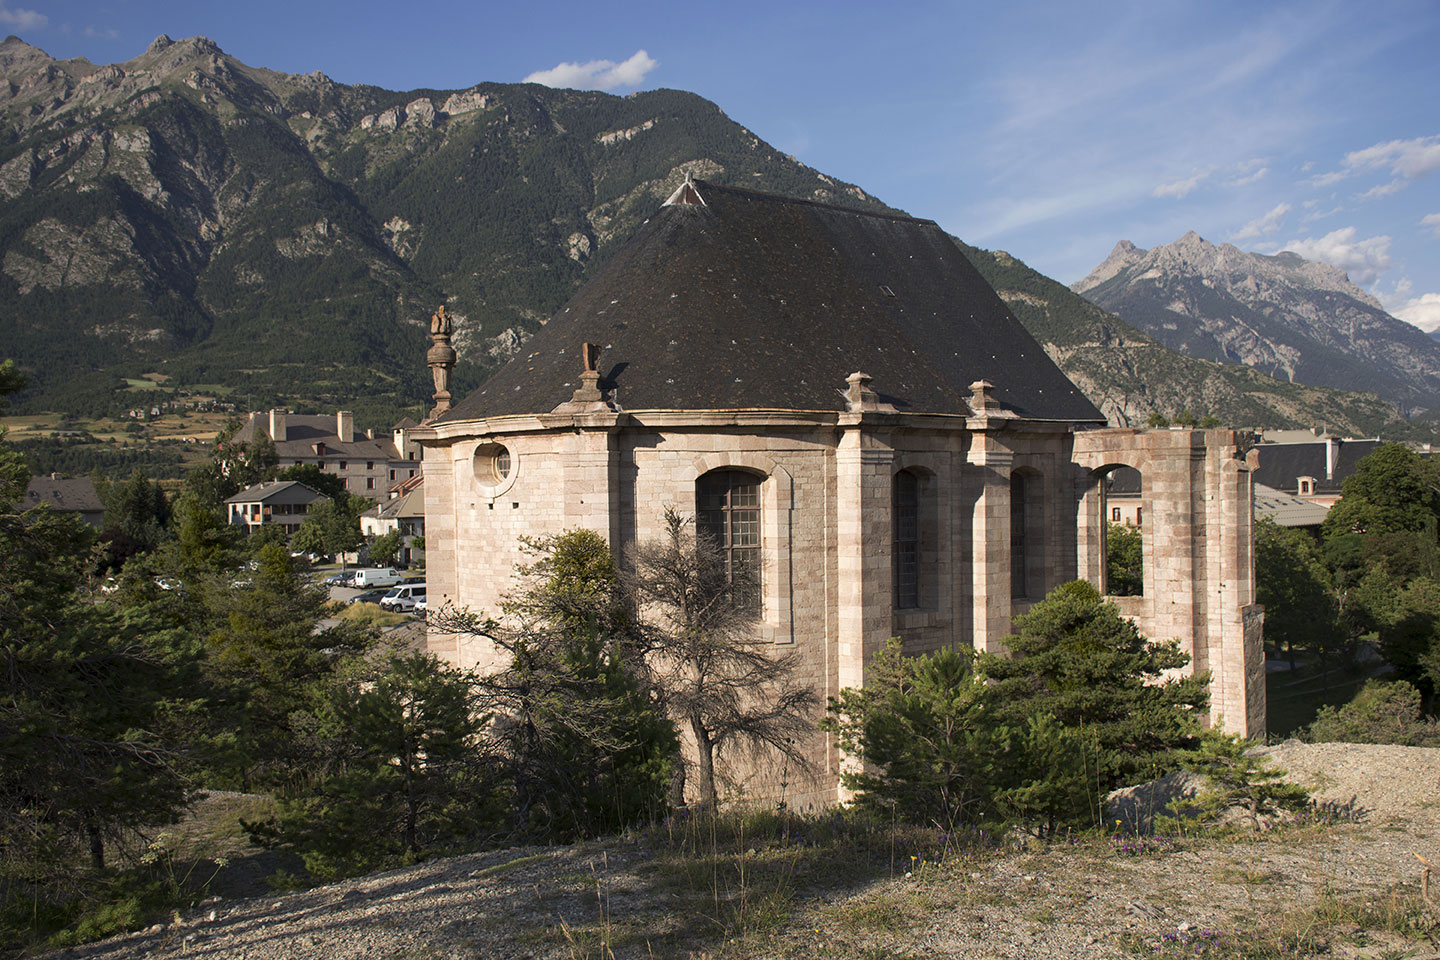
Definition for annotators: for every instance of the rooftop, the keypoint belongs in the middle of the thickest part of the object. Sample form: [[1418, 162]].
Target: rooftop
[[727, 299]]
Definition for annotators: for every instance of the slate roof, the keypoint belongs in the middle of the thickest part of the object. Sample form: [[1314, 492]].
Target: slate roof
[[64, 495], [277, 492], [1282, 463], [303, 431], [406, 506], [749, 301]]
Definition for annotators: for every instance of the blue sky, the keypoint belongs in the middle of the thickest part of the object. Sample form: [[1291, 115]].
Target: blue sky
[[1050, 130]]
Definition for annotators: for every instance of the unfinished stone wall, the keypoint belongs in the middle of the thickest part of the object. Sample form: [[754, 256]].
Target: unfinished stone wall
[[1199, 571]]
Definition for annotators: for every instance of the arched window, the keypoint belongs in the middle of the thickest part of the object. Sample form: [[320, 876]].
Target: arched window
[[728, 514], [905, 540]]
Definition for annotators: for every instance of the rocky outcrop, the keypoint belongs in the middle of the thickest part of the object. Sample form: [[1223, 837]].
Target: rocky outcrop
[[1292, 318]]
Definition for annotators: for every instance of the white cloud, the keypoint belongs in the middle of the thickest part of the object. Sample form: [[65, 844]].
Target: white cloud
[[1364, 260], [1181, 188], [1432, 221], [1262, 226], [1423, 311], [107, 33], [1383, 190], [597, 74], [1404, 158], [22, 19], [1242, 181]]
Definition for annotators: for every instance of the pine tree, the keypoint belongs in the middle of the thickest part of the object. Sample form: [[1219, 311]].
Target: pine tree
[[1078, 659], [399, 771]]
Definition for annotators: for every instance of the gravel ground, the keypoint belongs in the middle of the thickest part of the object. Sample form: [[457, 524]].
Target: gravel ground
[[1064, 901]]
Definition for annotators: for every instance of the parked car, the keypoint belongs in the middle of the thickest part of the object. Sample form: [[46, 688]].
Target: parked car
[[369, 596], [341, 579], [369, 577], [419, 608], [402, 599]]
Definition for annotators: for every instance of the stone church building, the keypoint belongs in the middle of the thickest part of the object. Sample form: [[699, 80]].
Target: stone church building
[[845, 404]]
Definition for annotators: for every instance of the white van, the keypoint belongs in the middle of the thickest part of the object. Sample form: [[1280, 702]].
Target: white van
[[404, 597], [368, 578]]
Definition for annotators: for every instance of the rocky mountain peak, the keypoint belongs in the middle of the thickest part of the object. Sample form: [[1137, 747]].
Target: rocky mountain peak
[[1287, 316], [159, 43], [1125, 255], [17, 56]]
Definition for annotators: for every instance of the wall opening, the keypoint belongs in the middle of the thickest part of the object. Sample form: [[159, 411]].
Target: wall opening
[[1122, 520]]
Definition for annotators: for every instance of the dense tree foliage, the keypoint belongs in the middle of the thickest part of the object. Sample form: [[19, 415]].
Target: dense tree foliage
[[1371, 582], [89, 696], [1078, 659], [1037, 737], [399, 768]]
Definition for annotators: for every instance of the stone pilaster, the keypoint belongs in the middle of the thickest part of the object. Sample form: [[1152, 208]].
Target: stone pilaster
[[990, 464], [863, 468]]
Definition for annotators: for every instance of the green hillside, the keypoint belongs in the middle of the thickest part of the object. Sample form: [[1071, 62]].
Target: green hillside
[[286, 238]]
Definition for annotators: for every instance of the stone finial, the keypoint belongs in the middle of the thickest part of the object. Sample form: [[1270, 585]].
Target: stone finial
[[982, 398], [860, 396], [589, 389], [441, 360]]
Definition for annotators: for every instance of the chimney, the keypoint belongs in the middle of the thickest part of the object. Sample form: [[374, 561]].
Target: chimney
[[345, 426], [277, 425], [370, 433], [1332, 454]]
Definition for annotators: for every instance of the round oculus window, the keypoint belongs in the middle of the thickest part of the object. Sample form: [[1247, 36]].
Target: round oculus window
[[492, 464]]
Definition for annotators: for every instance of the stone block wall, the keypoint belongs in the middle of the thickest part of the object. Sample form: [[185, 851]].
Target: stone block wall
[[1199, 576], [826, 530]]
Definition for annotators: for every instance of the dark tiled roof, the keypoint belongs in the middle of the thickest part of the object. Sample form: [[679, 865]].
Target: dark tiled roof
[[303, 431], [277, 492], [65, 495], [757, 301], [1282, 463]]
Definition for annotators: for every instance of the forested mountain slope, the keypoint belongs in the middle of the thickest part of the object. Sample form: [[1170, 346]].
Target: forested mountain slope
[[287, 237]]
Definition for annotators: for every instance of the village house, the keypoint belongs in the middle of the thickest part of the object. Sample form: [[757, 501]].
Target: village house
[[369, 466], [843, 403], [66, 495], [1310, 468], [283, 503], [403, 512]]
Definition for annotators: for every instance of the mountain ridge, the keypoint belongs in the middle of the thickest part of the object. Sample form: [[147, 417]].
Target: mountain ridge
[[286, 237], [1297, 319]]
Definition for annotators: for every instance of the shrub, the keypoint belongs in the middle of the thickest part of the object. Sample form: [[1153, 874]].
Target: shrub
[[1382, 712]]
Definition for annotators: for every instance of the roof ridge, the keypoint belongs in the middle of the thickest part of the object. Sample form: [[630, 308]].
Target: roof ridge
[[762, 195]]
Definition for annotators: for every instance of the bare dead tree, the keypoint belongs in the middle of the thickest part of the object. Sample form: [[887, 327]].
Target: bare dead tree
[[715, 678]]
